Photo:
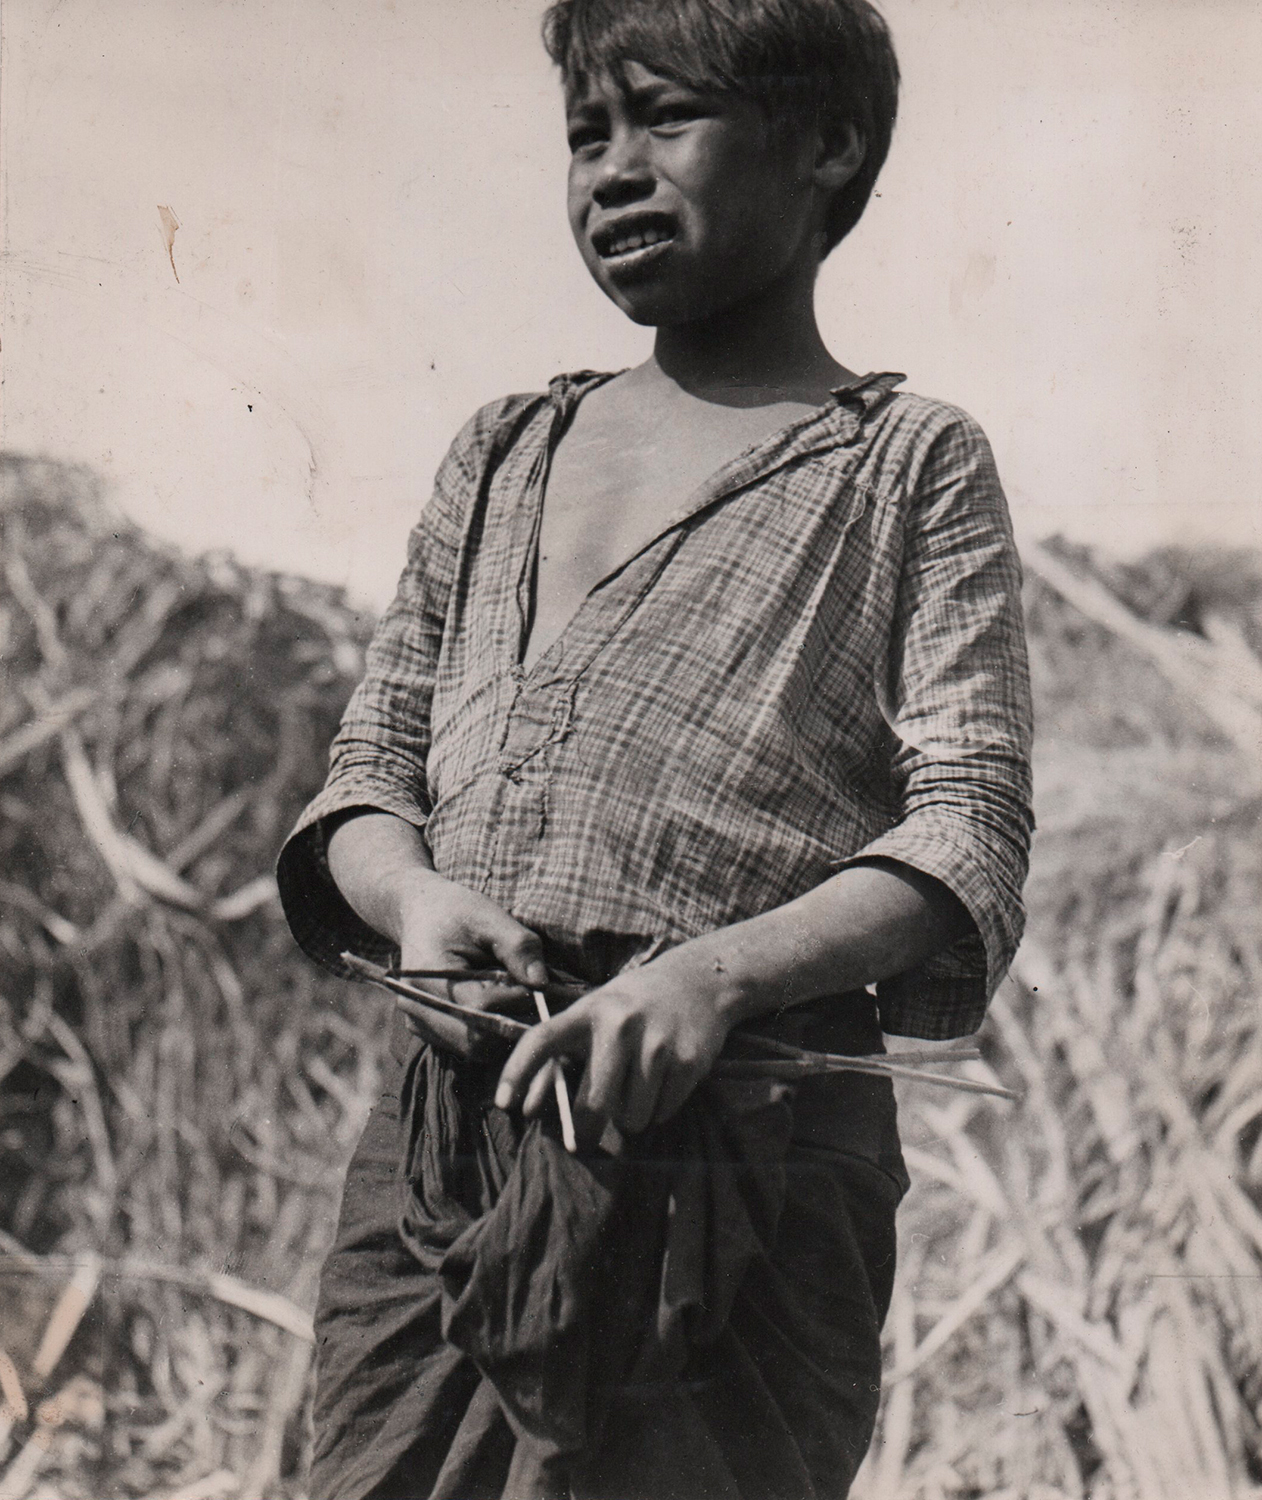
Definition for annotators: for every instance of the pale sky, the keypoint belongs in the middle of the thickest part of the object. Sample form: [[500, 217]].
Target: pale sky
[[372, 242]]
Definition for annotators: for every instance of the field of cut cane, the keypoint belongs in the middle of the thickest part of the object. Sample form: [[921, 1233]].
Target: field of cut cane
[[1077, 1310]]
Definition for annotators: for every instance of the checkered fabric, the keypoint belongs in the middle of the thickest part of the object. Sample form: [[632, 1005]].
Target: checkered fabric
[[819, 660]]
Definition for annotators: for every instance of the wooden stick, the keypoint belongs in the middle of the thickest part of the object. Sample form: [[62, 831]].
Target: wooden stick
[[566, 992], [497, 1025], [817, 1067], [487, 1020], [915, 1057], [562, 1088], [788, 1061], [453, 976], [965, 1052]]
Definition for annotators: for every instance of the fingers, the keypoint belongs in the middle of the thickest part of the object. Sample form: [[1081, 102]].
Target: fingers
[[540, 1089], [476, 994], [446, 925], [638, 1073], [635, 1075], [518, 949], [483, 994], [609, 1058], [643, 1085], [564, 1034]]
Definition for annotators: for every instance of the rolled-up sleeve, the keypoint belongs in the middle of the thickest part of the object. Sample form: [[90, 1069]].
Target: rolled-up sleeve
[[957, 697], [377, 760]]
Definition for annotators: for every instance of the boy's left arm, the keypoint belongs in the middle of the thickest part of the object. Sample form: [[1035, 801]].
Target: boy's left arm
[[652, 1034], [929, 911]]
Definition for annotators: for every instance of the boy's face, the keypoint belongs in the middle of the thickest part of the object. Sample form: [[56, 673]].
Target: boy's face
[[683, 203]]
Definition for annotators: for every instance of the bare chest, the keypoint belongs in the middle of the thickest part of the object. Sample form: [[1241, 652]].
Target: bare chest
[[606, 498], [616, 481]]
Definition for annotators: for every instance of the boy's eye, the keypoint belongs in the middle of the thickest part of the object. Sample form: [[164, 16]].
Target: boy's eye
[[583, 137], [676, 112]]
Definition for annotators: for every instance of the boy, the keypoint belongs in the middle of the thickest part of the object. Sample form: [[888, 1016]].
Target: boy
[[704, 685]]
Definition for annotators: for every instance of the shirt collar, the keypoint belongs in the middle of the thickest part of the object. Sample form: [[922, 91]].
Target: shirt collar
[[836, 423], [860, 397], [866, 393]]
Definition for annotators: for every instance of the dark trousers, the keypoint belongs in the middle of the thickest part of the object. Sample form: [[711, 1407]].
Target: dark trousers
[[778, 1404]]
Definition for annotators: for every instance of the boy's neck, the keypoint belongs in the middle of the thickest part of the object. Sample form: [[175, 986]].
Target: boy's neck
[[755, 354]]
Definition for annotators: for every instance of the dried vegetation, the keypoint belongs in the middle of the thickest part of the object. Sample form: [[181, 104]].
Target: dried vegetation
[[1077, 1310], [178, 1088]]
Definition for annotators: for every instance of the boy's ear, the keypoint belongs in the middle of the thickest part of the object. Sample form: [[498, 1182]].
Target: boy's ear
[[838, 158]]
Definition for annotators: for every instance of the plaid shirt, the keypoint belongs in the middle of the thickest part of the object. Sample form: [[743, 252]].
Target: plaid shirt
[[820, 659]]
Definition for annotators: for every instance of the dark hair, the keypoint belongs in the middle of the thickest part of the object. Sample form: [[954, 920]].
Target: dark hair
[[821, 64]]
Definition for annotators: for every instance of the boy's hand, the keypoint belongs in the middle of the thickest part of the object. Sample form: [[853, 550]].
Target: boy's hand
[[382, 866], [447, 926], [648, 1038]]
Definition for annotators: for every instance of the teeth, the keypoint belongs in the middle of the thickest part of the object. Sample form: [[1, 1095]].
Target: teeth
[[637, 241]]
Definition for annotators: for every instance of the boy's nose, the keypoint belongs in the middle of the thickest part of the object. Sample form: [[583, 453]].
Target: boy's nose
[[624, 175]]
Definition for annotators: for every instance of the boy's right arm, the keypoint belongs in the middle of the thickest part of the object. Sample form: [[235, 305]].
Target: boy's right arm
[[376, 800], [382, 867]]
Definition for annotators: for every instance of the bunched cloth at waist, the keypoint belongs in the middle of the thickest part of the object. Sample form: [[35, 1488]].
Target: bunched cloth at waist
[[697, 1317]]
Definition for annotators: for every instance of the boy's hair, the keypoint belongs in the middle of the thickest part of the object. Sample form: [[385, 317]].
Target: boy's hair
[[820, 64]]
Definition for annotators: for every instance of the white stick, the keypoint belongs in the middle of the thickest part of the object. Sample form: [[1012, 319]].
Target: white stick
[[562, 1089]]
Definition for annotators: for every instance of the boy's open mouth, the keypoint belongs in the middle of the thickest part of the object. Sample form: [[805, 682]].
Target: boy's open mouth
[[633, 240]]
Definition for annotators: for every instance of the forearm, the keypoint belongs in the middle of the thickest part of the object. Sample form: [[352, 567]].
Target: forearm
[[382, 866], [866, 923], [378, 862], [652, 1034]]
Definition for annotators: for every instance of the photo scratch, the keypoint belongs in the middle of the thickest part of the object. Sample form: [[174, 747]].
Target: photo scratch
[[169, 225]]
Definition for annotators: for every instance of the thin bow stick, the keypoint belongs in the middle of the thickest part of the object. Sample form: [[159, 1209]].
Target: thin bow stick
[[965, 1052], [411, 999], [944, 1080], [916, 1057], [454, 976], [565, 992], [562, 1088], [808, 1067], [790, 1060]]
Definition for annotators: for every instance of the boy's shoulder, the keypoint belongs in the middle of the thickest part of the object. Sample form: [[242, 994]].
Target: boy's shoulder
[[496, 425], [907, 434], [927, 416], [494, 415]]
